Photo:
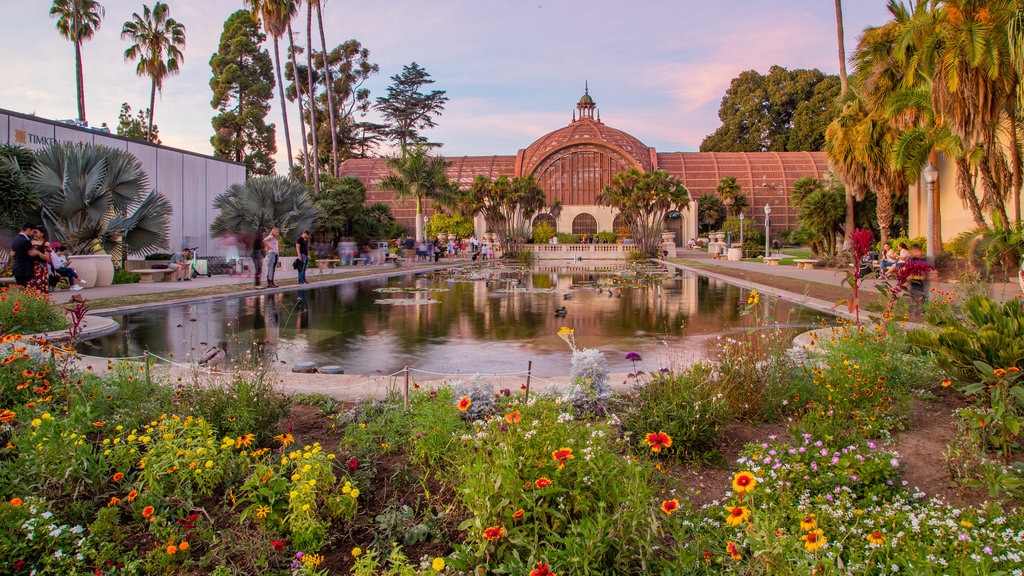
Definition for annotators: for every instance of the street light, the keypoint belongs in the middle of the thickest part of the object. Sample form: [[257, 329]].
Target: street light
[[728, 201], [741, 229], [767, 229], [930, 175]]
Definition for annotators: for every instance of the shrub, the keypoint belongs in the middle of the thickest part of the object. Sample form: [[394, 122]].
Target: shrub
[[543, 233], [28, 311], [126, 277]]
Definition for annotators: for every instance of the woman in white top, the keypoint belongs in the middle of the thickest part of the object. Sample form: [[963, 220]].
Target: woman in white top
[[273, 245]]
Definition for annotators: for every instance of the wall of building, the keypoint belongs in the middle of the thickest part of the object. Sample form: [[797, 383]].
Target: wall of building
[[190, 181]]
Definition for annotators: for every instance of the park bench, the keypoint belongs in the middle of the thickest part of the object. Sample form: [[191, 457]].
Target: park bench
[[772, 260], [326, 264], [154, 274], [805, 263]]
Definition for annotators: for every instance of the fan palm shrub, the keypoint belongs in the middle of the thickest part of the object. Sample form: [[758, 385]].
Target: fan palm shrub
[[260, 203]]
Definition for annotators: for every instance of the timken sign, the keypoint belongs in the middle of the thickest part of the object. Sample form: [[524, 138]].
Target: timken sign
[[26, 138]]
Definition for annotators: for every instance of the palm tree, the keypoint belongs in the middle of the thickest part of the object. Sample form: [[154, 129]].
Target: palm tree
[[312, 97], [730, 192], [276, 14], [260, 203], [508, 206], [329, 84], [416, 174], [94, 200], [77, 21], [844, 83], [292, 49], [644, 199], [158, 41]]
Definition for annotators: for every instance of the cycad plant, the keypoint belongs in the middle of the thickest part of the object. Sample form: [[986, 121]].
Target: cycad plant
[[94, 200], [259, 204]]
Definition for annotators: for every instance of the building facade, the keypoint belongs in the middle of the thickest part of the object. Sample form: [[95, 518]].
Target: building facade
[[189, 181], [573, 163]]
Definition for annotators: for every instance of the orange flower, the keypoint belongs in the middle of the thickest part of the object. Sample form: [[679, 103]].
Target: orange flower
[[947, 383], [518, 514], [494, 532], [561, 455], [16, 502], [133, 495], [118, 477], [464, 403], [6, 416], [737, 515], [114, 501], [733, 550], [147, 511], [743, 482], [98, 424], [172, 549], [542, 569], [513, 417], [285, 439], [808, 523], [1013, 369], [876, 538], [670, 506], [543, 482], [658, 440], [999, 372], [183, 546], [244, 440], [813, 540]]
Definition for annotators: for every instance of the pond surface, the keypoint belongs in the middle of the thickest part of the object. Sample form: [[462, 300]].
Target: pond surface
[[487, 320]]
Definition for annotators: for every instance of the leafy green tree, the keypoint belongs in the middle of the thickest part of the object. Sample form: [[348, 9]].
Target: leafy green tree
[[732, 196], [508, 205], [407, 109], [341, 201], [644, 199], [275, 15], [77, 21], [19, 200], [822, 211], [260, 203], [376, 222], [158, 41], [781, 111], [418, 175], [136, 127], [94, 199], [710, 211], [243, 85], [456, 224]]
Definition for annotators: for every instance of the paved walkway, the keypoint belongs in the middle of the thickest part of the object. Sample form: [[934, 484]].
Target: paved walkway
[[349, 387]]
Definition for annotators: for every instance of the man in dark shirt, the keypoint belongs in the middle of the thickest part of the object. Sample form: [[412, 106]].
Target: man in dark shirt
[[302, 251], [22, 253]]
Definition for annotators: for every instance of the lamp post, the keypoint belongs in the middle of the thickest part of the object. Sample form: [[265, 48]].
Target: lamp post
[[741, 229], [767, 230], [930, 174]]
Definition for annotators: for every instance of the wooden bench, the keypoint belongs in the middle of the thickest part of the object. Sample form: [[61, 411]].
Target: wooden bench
[[326, 264], [805, 263], [154, 274], [772, 260]]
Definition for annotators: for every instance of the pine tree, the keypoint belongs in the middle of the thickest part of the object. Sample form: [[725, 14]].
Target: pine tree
[[407, 109], [243, 85]]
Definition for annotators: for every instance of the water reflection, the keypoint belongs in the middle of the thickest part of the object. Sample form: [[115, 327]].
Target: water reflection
[[489, 324]]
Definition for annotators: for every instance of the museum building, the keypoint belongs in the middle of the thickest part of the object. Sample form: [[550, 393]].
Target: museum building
[[572, 164]]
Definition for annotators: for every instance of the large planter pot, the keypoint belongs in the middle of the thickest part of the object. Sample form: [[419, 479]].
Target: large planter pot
[[95, 269]]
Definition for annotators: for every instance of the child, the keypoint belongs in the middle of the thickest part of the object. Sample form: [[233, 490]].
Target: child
[[59, 263]]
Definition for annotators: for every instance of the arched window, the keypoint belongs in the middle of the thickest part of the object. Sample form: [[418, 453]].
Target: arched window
[[584, 224], [546, 219], [619, 223]]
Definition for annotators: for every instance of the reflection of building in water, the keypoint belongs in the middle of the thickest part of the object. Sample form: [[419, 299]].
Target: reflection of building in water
[[573, 163]]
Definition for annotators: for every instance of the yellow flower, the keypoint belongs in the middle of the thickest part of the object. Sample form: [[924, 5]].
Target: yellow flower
[[357, 552], [876, 538], [354, 493], [743, 482], [808, 523], [737, 515], [753, 298], [285, 439], [36, 422], [813, 540], [262, 511], [437, 564]]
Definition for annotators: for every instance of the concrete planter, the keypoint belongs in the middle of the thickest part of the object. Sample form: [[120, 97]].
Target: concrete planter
[[95, 269]]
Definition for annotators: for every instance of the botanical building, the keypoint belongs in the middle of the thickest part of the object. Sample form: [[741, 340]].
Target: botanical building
[[572, 164]]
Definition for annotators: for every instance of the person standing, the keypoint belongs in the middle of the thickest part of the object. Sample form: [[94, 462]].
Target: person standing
[[257, 257], [40, 260], [273, 245], [302, 250], [22, 265]]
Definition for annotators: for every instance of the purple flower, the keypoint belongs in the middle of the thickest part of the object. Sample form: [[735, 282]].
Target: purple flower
[[895, 463], [633, 357], [664, 370]]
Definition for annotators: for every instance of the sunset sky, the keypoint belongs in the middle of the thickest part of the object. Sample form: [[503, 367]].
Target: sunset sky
[[513, 70]]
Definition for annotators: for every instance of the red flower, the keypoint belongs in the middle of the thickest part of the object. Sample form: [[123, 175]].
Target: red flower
[[118, 477], [658, 440], [733, 550], [19, 564], [670, 506], [513, 417], [352, 464], [494, 532], [743, 482], [278, 545], [518, 514], [543, 482], [542, 569], [148, 511], [464, 403], [561, 455]]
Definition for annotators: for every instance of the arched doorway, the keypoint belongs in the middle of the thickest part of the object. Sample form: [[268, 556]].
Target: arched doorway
[[584, 224]]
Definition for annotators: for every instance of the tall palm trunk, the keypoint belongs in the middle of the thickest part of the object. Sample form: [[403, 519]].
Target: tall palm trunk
[[329, 84], [843, 81], [79, 80], [284, 106], [312, 97], [152, 102], [298, 98], [966, 191]]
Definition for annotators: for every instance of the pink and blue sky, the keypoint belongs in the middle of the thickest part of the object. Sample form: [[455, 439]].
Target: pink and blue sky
[[513, 69]]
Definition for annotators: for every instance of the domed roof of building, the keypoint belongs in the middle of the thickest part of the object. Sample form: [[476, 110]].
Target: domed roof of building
[[589, 132]]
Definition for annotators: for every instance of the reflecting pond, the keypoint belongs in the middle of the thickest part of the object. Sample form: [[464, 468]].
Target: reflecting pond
[[485, 319]]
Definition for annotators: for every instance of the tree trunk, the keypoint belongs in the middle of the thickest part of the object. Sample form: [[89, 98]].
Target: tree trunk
[[284, 106], [966, 192], [419, 219], [79, 80], [329, 84], [312, 98], [152, 102], [851, 222], [884, 213], [298, 98], [843, 81]]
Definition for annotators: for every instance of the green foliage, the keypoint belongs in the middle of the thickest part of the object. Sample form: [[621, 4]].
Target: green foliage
[[95, 199], [125, 277], [686, 405], [643, 200], [136, 127], [341, 201], [407, 109], [543, 233], [244, 403], [261, 203], [710, 211], [243, 85], [508, 206], [822, 212], [781, 111], [19, 201], [456, 224], [27, 311], [567, 238]]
